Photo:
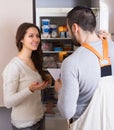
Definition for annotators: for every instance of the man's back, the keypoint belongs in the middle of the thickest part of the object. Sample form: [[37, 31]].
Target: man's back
[[84, 66]]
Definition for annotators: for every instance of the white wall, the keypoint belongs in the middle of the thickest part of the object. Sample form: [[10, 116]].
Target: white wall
[[107, 16], [104, 16], [12, 14], [110, 4]]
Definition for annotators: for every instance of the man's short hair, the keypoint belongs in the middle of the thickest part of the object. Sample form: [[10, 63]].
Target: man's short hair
[[83, 16]]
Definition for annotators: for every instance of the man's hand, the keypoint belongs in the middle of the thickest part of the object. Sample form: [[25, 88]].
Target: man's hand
[[102, 34], [57, 85]]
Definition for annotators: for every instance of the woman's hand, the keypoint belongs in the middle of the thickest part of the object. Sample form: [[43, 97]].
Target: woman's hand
[[57, 85], [38, 86], [102, 34]]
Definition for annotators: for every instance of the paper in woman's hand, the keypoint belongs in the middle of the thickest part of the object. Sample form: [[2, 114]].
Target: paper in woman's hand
[[55, 73]]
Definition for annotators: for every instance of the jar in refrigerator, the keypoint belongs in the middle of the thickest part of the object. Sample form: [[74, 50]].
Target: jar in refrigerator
[[46, 31], [53, 30], [62, 31], [45, 22]]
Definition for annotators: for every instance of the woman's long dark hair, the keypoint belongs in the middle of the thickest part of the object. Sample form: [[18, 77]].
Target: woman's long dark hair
[[37, 54]]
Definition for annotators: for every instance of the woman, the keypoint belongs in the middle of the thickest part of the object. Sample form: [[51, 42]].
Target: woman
[[23, 80]]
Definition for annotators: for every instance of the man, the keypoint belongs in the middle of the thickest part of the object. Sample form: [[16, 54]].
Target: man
[[80, 72]]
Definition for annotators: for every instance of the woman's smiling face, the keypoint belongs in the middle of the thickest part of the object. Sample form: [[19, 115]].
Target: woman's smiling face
[[31, 39]]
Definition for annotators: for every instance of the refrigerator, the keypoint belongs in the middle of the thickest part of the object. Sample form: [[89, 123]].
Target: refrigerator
[[55, 12]]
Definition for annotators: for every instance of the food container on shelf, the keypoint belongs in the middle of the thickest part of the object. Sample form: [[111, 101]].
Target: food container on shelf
[[62, 31], [58, 49], [46, 46], [45, 31], [45, 22], [53, 30]]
